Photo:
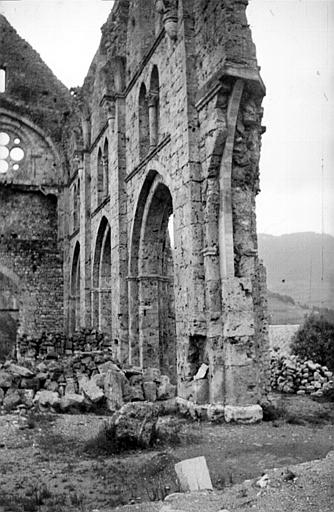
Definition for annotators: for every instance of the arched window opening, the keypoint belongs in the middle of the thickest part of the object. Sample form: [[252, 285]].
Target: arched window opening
[[106, 169], [154, 108], [100, 177], [75, 291], [75, 207], [144, 137], [2, 80], [78, 206], [102, 292]]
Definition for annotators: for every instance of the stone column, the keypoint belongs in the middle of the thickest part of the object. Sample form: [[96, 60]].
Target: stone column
[[149, 320]]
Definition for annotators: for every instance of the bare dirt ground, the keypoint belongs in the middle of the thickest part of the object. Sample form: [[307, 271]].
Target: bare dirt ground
[[62, 462]]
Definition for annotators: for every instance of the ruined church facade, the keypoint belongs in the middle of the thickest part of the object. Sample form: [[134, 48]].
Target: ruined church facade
[[143, 185]]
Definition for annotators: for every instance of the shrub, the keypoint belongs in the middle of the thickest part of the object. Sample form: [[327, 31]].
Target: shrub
[[315, 340]]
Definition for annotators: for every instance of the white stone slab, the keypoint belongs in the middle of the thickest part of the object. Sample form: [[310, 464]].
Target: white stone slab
[[193, 474], [202, 371]]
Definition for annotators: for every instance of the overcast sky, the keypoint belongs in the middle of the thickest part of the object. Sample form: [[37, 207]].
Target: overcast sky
[[295, 49]]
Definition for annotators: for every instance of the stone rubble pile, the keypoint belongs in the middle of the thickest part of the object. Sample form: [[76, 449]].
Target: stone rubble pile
[[290, 374], [86, 381]]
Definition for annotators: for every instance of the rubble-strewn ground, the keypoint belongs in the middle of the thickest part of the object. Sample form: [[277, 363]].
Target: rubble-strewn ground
[[54, 466]]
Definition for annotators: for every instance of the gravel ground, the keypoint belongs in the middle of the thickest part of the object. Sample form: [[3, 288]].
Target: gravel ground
[[48, 469], [307, 487]]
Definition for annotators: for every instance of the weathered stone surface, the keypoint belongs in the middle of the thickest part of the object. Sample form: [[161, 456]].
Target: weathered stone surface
[[151, 374], [92, 391], [193, 474], [135, 423], [247, 414], [150, 391], [47, 399], [6, 380], [201, 391], [22, 371], [165, 390], [2, 394], [27, 396], [216, 413], [133, 393], [108, 367], [12, 399], [71, 401], [114, 382]]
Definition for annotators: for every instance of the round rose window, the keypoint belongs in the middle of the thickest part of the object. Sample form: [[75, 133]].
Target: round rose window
[[11, 152]]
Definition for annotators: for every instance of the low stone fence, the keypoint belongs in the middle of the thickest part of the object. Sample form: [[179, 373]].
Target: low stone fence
[[290, 374]]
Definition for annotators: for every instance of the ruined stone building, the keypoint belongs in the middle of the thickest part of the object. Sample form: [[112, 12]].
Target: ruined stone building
[[128, 204]]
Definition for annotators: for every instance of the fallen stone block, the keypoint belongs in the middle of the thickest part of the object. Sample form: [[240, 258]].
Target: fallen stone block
[[150, 390], [27, 396], [107, 367], [46, 398], [92, 391], [6, 380], [243, 414], [135, 424], [202, 371], [151, 374], [12, 399], [193, 474], [114, 382], [216, 413], [133, 393], [72, 402], [21, 371], [98, 378]]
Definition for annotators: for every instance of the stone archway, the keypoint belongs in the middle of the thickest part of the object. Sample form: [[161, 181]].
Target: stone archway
[[102, 292], [151, 281], [75, 290]]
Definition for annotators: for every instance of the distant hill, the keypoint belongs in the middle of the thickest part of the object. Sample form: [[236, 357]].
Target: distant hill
[[294, 266], [284, 310]]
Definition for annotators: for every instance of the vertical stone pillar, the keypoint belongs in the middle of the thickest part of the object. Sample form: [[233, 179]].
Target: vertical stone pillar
[[133, 293], [85, 237], [149, 321]]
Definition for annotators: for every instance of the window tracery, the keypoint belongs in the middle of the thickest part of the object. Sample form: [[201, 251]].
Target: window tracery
[[11, 152]]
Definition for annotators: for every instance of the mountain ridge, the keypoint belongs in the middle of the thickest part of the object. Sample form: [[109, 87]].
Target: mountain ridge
[[300, 265]]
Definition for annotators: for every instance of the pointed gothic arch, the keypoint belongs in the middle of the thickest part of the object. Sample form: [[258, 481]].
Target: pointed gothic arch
[[151, 280], [102, 291], [143, 117]]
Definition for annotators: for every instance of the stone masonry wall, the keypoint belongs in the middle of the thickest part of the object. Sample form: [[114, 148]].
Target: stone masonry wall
[[28, 249], [174, 93]]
